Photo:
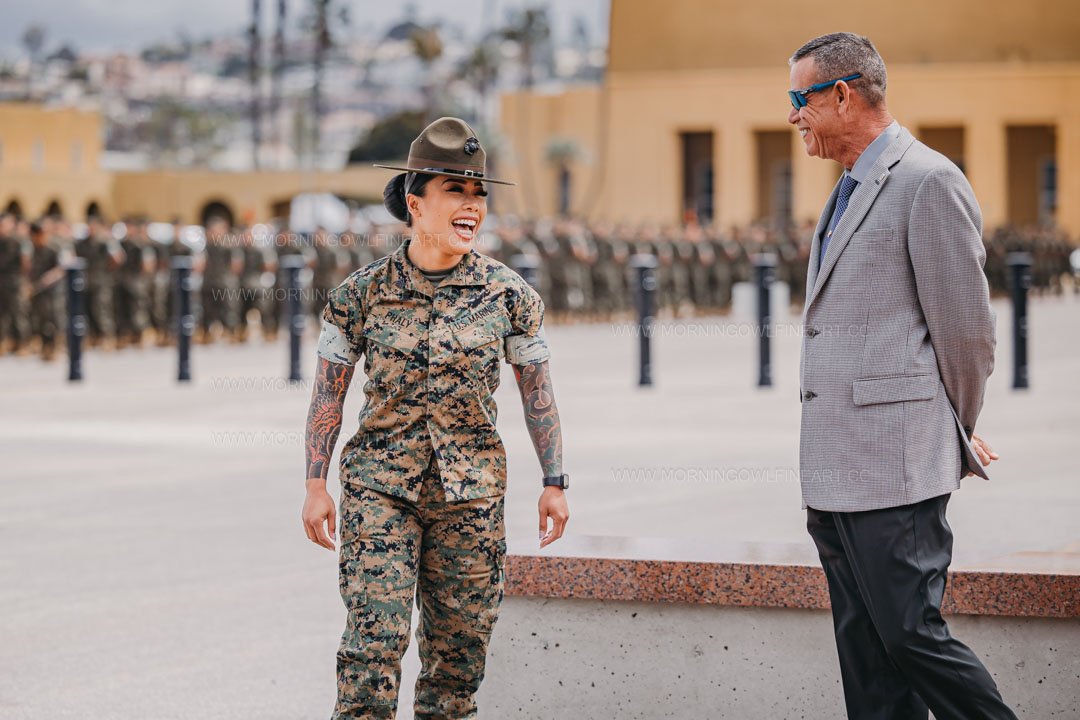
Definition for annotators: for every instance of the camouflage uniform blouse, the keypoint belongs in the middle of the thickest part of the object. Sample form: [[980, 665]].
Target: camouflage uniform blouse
[[431, 357]]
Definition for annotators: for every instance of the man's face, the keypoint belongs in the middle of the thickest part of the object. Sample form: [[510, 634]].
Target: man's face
[[818, 121]]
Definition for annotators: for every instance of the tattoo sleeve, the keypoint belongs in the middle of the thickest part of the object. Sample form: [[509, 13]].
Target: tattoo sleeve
[[324, 416], [541, 415]]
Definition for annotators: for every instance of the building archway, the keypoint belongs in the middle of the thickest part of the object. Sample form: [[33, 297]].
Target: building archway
[[14, 207], [93, 210], [54, 210], [216, 208]]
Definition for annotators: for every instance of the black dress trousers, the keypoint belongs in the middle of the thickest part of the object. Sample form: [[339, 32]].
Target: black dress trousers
[[887, 571]]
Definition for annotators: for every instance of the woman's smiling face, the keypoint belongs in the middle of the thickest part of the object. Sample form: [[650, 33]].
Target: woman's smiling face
[[449, 215]]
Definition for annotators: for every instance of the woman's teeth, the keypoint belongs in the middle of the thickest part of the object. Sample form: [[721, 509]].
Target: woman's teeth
[[465, 228]]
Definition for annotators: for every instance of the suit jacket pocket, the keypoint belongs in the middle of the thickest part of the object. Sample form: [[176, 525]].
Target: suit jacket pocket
[[894, 388]]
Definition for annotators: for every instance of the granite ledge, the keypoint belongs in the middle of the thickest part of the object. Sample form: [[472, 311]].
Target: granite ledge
[[772, 576]]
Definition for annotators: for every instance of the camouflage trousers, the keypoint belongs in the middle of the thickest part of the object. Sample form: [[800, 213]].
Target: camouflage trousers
[[449, 555]]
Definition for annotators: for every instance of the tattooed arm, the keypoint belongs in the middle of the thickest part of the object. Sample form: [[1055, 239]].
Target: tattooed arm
[[542, 420], [323, 426]]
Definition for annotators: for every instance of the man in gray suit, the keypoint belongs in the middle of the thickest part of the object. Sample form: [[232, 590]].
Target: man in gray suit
[[898, 343]]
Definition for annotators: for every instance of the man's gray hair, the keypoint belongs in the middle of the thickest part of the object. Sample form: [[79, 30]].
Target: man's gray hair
[[839, 54]]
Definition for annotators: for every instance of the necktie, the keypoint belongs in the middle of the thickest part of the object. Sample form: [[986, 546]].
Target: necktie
[[847, 186]]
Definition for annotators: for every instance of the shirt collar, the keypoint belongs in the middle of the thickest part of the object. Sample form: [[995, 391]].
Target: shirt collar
[[405, 276], [873, 151]]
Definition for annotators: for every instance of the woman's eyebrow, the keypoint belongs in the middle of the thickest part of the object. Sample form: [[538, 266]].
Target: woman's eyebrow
[[476, 183]]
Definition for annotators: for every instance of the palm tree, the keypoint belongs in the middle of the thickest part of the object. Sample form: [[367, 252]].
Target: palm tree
[[427, 46], [529, 30], [481, 69], [318, 22], [33, 39]]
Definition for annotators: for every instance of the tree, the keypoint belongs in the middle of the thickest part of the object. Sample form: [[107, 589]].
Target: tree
[[389, 138], [481, 70], [321, 14], [427, 46], [529, 30], [33, 39], [175, 128]]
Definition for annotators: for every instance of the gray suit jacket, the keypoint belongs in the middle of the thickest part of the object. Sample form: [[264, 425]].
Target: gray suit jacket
[[898, 338]]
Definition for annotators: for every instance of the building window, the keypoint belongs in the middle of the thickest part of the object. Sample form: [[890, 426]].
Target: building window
[[782, 203], [39, 155], [1047, 190], [1032, 174], [774, 191], [697, 172]]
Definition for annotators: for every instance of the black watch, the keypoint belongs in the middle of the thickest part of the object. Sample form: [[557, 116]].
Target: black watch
[[559, 481]]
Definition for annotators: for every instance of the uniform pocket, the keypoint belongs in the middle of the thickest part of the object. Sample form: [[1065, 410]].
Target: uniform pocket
[[482, 345], [485, 613], [895, 388], [483, 333], [352, 580], [388, 350]]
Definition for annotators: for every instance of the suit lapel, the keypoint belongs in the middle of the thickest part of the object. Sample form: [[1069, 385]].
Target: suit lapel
[[861, 201], [815, 242]]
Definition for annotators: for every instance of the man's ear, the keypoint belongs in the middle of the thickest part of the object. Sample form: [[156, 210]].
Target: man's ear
[[843, 96]]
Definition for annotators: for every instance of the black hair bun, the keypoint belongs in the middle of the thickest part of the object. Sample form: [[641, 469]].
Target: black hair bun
[[394, 198]]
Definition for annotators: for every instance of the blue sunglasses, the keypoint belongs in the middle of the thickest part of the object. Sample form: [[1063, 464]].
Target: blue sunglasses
[[798, 97]]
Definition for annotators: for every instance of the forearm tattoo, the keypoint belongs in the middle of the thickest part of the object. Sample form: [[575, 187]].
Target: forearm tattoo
[[324, 416], [541, 415]]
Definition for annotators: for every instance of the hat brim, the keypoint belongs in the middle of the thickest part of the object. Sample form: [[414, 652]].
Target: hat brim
[[447, 173]]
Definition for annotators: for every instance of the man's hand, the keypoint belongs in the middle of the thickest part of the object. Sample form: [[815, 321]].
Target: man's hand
[[552, 505], [983, 450], [319, 509]]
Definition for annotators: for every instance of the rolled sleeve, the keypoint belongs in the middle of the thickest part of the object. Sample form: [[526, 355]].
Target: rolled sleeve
[[526, 345], [340, 339], [335, 347], [527, 349]]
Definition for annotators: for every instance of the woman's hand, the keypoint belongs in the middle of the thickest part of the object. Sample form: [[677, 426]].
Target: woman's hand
[[318, 509], [553, 505]]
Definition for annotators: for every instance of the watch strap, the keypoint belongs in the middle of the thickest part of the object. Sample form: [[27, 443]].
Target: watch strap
[[561, 481]]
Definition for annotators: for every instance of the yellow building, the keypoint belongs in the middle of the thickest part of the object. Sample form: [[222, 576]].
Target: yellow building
[[50, 164], [49, 161], [692, 117]]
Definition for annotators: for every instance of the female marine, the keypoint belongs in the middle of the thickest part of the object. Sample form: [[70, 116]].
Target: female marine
[[424, 476]]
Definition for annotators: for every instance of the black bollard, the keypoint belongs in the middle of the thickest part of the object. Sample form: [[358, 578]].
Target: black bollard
[[764, 274], [645, 298], [1020, 282], [293, 264], [528, 267], [184, 320], [76, 327]]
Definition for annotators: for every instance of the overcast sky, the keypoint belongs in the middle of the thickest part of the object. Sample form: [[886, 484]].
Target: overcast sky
[[130, 24]]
